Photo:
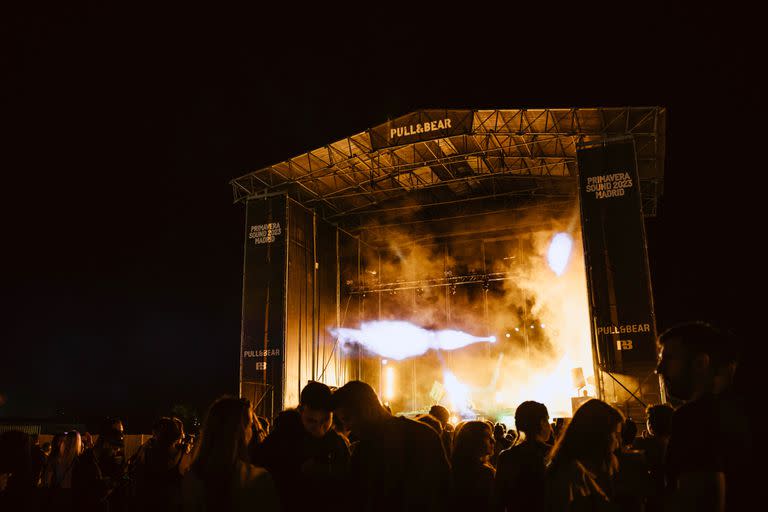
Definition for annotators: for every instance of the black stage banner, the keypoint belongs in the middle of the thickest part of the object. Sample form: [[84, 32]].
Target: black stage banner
[[263, 330], [420, 126], [621, 303]]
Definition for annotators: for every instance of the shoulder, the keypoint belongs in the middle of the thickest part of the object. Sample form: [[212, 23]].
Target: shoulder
[[703, 410], [416, 428], [509, 455]]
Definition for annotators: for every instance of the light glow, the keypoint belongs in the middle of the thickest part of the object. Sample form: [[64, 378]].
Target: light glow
[[559, 252], [458, 393], [400, 340], [389, 383]]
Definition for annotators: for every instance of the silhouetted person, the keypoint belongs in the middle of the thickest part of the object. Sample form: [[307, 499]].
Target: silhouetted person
[[446, 432], [221, 478], [398, 463], [38, 460], [17, 480], [500, 442], [264, 426], [99, 472], [654, 446], [157, 470], [430, 420], [59, 473], [307, 458], [631, 483], [628, 434], [710, 445], [583, 460], [473, 447], [87, 440], [520, 470]]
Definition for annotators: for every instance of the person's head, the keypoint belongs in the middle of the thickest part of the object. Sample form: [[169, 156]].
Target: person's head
[[473, 441], [591, 438], [87, 440], [441, 413], [110, 442], [660, 420], [168, 432], [46, 447], [357, 406], [430, 420], [628, 432], [315, 408], [225, 435], [112, 423], [532, 418], [696, 358]]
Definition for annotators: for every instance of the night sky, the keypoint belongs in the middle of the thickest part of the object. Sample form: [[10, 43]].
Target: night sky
[[122, 250]]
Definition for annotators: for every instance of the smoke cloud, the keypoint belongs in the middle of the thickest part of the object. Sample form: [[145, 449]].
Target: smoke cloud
[[540, 319]]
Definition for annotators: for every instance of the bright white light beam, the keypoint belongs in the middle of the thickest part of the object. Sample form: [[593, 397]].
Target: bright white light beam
[[399, 340], [559, 252]]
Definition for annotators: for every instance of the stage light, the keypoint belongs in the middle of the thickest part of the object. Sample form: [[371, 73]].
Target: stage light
[[543, 326], [389, 383], [517, 329], [384, 361], [559, 252], [507, 335]]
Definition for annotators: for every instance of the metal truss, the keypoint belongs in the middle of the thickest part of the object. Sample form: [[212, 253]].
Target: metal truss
[[508, 152], [431, 283]]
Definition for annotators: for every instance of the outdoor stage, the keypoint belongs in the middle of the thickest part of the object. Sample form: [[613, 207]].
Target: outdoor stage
[[455, 220]]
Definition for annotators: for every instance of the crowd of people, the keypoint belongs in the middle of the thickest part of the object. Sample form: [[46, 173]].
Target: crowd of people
[[344, 450]]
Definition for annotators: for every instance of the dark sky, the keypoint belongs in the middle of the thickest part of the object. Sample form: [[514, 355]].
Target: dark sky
[[122, 249]]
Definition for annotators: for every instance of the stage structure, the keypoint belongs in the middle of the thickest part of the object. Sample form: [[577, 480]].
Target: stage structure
[[441, 218]]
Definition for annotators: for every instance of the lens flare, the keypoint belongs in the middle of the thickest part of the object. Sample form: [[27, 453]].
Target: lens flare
[[399, 340], [559, 252]]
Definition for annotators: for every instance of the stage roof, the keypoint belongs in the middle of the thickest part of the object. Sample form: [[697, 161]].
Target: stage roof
[[446, 158]]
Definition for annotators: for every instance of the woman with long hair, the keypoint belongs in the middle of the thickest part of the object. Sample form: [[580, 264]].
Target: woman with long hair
[[58, 473], [473, 446], [583, 460], [221, 477]]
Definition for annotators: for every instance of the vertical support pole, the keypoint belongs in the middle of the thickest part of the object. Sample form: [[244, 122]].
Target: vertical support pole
[[339, 379]]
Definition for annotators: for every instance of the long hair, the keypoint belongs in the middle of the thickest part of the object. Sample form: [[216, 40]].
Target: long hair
[[469, 443], [223, 438], [59, 470], [588, 438]]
